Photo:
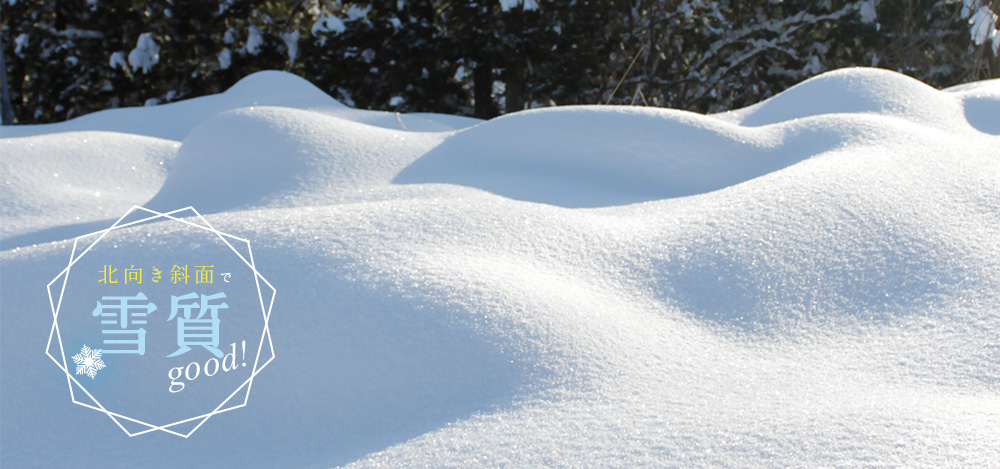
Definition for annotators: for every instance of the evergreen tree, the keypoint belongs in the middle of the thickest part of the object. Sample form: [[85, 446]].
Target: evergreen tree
[[386, 54], [64, 58]]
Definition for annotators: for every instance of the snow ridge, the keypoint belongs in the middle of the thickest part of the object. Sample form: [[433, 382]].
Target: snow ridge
[[810, 281]]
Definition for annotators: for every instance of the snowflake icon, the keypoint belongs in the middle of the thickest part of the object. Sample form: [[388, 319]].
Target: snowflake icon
[[88, 362]]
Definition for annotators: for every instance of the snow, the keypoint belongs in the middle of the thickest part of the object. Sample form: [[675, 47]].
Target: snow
[[225, 59], [980, 101], [982, 23], [20, 42], [255, 39], [57, 176], [173, 121], [291, 41], [809, 281], [857, 92], [983, 28], [507, 5], [146, 53], [355, 12], [329, 24], [969, 7], [117, 60], [867, 12]]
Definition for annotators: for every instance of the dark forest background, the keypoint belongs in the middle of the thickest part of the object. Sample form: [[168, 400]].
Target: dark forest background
[[65, 58]]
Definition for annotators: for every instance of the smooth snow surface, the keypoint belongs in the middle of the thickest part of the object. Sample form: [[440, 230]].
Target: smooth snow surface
[[811, 281], [271, 88]]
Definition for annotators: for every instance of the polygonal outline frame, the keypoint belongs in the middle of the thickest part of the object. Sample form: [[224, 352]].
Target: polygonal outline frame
[[70, 379]]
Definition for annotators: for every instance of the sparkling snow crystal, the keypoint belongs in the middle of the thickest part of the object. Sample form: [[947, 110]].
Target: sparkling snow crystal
[[88, 361]]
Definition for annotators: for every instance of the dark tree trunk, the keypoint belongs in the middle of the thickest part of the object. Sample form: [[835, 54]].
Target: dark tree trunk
[[514, 76], [514, 92], [8, 113], [482, 77]]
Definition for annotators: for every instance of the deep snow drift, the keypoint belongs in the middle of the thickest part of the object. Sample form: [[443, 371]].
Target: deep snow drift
[[812, 280]]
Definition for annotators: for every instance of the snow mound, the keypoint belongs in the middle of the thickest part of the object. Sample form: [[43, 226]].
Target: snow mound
[[274, 88], [279, 156], [267, 88], [821, 288], [600, 155], [591, 156], [856, 90], [77, 177], [982, 104]]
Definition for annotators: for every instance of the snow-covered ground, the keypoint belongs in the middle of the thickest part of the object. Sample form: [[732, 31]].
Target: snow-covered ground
[[812, 280]]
